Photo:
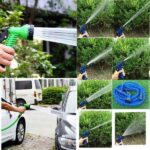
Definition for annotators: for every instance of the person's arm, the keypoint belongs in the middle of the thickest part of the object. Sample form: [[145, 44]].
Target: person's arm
[[9, 107], [6, 56]]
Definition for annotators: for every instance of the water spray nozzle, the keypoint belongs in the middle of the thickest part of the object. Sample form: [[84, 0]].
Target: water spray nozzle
[[119, 31], [84, 135], [83, 71], [27, 106], [83, 29], [119, 67], [119, 139], [83, 103]]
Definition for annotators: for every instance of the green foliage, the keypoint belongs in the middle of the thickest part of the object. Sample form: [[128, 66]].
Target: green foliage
[[144, 84], [53, 95], [124, 119], [100, 137], [104, 19], [89, 87], [10, 15], [90, 48], [137, 67], [125, 9]]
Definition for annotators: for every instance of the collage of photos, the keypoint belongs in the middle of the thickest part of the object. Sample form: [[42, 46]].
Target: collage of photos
[[75, 74]]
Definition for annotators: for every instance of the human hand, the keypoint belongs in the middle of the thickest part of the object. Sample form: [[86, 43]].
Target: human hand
[[20, 109], [81, 140], [115, 76], [6, 56]]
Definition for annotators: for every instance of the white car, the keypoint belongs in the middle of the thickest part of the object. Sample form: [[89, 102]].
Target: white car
[[28, 91], [12, 127]]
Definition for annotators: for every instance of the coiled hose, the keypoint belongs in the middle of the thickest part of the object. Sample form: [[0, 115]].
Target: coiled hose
[[129, 94]]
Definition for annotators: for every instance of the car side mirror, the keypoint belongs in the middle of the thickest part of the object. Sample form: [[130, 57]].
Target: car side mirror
[[56, 111]]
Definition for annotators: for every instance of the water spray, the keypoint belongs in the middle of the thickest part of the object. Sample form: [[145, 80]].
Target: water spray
[[129, 94], [29, 32], [99, 93], [119, 32], [86, 133]]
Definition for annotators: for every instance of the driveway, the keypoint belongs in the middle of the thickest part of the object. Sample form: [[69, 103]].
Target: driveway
[[40, 121]]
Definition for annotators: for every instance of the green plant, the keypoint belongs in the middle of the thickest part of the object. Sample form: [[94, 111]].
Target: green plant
[[89, 87], [136, 67], [124, 119], [53, 95], [125, 9], [100, 137], [90, 48], [104, 19]]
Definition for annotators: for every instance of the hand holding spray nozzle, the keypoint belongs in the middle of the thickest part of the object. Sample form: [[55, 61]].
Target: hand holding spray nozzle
[[13, 33], [83, 31], [119, 67], [85, 134], [83, 72], [120, 140]]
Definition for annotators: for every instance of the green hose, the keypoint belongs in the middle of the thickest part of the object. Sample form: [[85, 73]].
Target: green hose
[[27, 106], [13, 123]]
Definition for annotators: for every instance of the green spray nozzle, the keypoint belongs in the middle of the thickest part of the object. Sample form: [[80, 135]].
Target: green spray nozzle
[[27, 106], [25, 33]]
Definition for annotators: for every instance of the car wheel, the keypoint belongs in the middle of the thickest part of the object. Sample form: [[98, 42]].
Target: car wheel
[[57, 147], [35, 102], [20, 102], [20, 132]]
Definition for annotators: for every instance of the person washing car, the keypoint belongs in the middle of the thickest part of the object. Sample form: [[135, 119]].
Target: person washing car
[[5, 105], [6, 56]]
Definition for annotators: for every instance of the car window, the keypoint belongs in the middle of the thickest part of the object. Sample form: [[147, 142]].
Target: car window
[[71, 102], [22, 85], [37, 84]]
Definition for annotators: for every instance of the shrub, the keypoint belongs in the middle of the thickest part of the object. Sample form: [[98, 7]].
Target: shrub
[[104, 19], [138, 66], [90, 48], [100, 137], [89, 87], [53, 95], [125, 9], [124, 119]]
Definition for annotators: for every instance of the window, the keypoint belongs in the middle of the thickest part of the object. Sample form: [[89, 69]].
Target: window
[[71, 103], [37, 84], [22, 85]]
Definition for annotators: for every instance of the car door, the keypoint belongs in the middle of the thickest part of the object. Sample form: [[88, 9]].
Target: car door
[[8, 132]]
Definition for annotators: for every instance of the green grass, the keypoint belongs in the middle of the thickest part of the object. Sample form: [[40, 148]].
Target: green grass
[[144, 84]]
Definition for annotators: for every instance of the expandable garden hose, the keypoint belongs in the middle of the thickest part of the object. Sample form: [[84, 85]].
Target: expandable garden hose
[[129, 94], [16, 120]]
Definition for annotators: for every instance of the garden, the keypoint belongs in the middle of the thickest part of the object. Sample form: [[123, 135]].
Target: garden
[[132, 126], [100, 136], [96, 55], [104, 17], [40, 58], [134, 52], [124, 10], [90, 87], [102, 22]]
